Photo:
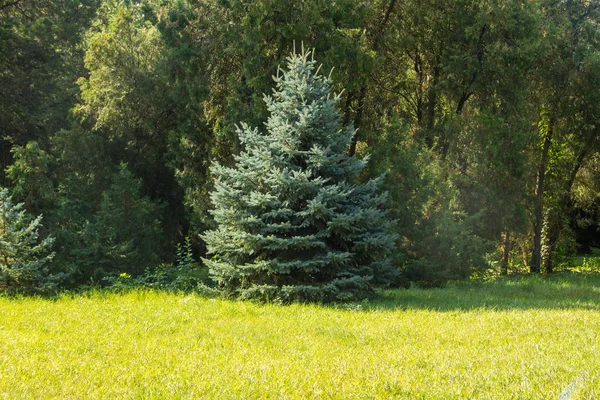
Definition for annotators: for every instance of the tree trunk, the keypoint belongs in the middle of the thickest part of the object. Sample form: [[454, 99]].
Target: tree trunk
[[525, 255], [374, 37], [418, 67], [553, 228], [358, 119], [538, 214], [5, 160], [429, 105], [505, 254], [480, 52], [348, 108]]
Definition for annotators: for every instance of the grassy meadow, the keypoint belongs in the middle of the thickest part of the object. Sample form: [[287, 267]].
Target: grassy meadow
[[518, 337]]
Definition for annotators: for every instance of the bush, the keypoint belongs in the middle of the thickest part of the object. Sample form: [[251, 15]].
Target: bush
[[439, 241], [184, 275]]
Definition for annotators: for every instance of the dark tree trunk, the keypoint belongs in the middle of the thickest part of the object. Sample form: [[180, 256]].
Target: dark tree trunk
[[505, 254], [538, 214], [374, 37], [348, 108], [525, 255], [431, 106], [418, 66], [358, 119], [5, 160], [480, 52]]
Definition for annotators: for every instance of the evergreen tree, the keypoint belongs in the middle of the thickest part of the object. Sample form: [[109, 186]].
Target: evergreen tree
[[23, 256], [123, 235], [293, 222]]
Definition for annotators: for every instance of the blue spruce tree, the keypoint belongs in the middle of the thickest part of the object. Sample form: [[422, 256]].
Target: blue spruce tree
[[23, 255], [293, 223]]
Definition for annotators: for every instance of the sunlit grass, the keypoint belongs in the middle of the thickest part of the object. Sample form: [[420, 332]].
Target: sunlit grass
[[523, 337], [586, 262]]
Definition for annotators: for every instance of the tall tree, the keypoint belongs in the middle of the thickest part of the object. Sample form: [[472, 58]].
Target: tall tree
[[127, 99], [567, 98], [293, 223], [456, 77], [40, 60]]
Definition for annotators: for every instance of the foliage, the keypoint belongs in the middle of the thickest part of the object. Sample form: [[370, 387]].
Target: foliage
[[293, 224], [438, 242], [23, 256], [491, 107], [217, 79], [122, 234], [184, 275], [40, 59], [127, 100], [30, 175]]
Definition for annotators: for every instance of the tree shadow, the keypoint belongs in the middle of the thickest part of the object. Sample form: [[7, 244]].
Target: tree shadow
[[566, 290]]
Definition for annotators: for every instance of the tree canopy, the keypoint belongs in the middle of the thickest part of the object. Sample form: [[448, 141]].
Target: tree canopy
[[478, 118]]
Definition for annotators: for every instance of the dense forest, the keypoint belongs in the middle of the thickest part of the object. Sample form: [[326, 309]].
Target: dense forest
[[480, 119]]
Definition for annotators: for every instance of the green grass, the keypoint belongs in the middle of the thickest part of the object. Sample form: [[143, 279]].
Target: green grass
[[523, 337]]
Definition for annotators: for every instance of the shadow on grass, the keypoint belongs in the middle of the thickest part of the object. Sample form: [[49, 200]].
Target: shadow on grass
[[564, 290], [561, 291]]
